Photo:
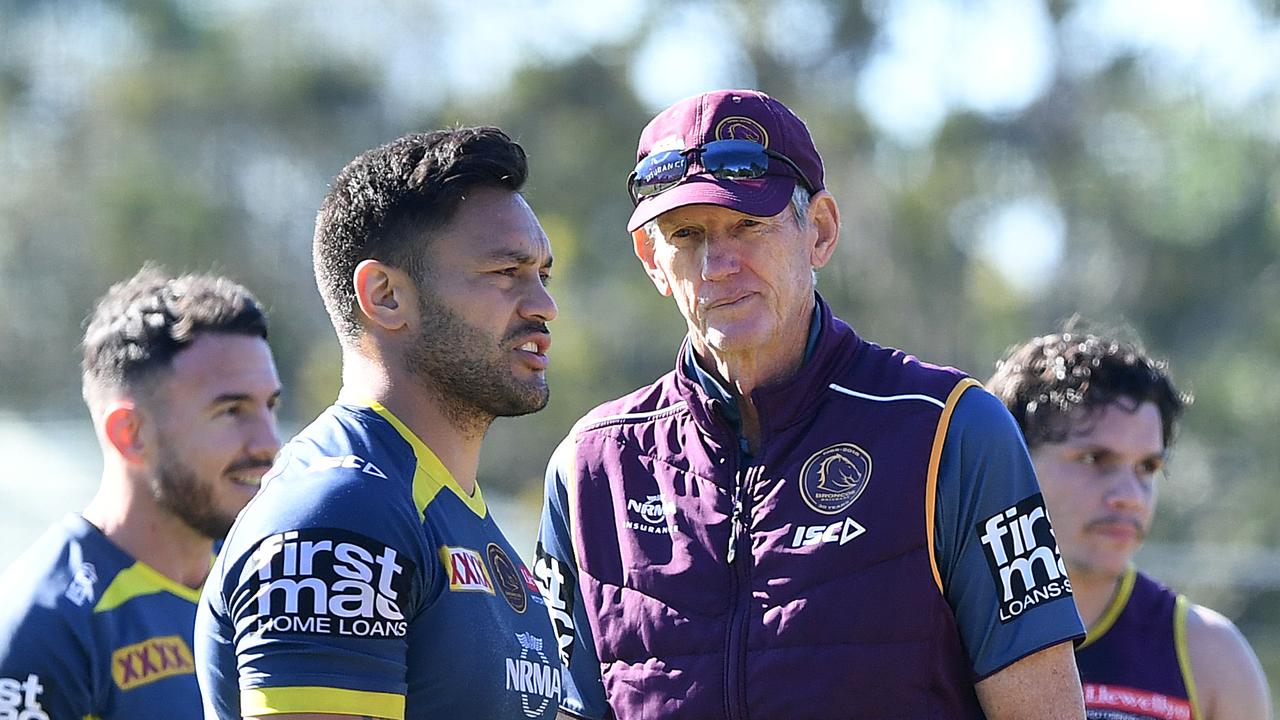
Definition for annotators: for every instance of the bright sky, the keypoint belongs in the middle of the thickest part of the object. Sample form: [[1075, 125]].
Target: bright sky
[[932, 58]]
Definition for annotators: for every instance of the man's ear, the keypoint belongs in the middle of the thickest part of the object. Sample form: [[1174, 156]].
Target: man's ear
[[383, 294], [122, 427], [824, 217], [643, 246]]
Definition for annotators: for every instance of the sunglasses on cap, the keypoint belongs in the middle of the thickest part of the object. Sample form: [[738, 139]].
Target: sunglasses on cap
[[722, 159]]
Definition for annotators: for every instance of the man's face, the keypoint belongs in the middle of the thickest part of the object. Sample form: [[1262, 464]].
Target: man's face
[[214, 433], [1099, 486], [743, 283], [482, 341]]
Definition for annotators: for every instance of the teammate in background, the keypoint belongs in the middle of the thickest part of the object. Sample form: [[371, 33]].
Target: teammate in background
[[96, 618], [794, 522], [368, 578], [1100, 416]]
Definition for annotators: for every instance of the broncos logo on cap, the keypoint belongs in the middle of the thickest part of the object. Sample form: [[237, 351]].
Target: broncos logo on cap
[[742, 128]]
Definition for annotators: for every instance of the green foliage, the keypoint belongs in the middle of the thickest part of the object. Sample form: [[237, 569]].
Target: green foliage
[[203, 137]]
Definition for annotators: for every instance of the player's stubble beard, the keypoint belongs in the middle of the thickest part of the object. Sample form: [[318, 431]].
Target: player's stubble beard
[[470, 369], [178, 489]]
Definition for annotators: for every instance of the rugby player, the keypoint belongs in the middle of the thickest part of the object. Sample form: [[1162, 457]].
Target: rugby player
[[1100, 416], [96, 617], [369, 577]]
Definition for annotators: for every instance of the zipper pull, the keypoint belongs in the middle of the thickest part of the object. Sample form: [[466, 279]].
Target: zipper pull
[[735, 521]]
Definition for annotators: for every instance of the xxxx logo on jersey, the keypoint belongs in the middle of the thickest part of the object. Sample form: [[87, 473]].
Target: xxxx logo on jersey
[[150, 660]]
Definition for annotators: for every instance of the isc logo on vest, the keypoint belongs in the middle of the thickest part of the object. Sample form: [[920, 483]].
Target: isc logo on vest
[[1023, 557], [19, 699], [324, 581]]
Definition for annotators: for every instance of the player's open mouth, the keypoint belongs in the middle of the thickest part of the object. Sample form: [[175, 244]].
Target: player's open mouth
[[247, 480]]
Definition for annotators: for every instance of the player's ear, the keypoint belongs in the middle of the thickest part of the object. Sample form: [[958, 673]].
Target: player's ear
[[642, 243], [383, 294], [122, 423], [824, 218]]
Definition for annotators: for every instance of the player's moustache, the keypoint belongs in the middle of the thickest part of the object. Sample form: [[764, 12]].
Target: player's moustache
[[249, 463], [526, 329]]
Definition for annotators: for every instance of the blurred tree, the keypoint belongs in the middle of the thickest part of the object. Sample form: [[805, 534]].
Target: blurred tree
[[1126, 182]]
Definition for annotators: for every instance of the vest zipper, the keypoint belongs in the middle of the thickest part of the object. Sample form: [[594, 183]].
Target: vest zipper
[[739, 559]]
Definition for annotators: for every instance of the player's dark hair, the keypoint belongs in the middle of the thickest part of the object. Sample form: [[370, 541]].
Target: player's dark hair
[[140, 324], [1054, 385], [387, 202]]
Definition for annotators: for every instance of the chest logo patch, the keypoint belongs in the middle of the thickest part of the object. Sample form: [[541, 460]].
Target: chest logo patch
[[533, 676], [466, 570], [508, 578], [653, 515], [834, 477], [150, 660]]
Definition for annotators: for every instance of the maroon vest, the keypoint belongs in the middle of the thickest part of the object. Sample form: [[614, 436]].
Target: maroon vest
[[1130, 665], [797, 586]]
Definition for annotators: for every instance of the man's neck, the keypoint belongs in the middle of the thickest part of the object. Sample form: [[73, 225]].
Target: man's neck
[[1093, 593], [148, 533], [455, 441], [741, 373]]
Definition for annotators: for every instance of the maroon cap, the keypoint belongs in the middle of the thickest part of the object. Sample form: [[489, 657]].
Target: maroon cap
[[729, 115]]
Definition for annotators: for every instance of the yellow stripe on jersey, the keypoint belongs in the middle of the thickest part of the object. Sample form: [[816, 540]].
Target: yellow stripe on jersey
[[137, 580], [1112, 613], [333, 701], [935, 461], [1180, 610], [431, 476]]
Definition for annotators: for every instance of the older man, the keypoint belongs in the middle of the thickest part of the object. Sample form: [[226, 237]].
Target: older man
[[794, 522]]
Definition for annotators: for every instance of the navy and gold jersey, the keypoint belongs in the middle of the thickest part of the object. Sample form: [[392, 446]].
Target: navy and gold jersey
[[87, 632], [362, 580]]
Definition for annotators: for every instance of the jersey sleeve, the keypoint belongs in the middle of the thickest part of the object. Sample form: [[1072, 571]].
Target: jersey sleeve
[[319, 597], [1001, 569], [557, 575], [44, 669]]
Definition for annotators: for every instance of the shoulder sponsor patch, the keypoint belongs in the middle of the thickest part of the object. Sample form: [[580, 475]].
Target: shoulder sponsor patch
[[326, 581], [507, 578], [1023, 556], [466, 570], [21, 698], [150, 660], [557, 587], [834, 477]]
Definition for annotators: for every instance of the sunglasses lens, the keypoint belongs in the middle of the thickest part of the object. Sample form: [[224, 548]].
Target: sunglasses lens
[[659, 171], [735, 159]]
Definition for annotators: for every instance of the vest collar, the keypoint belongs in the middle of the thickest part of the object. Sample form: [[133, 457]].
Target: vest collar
[[831, 343]]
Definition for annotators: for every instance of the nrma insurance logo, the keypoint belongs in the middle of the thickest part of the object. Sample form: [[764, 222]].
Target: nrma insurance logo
[[1023, 556], [533, 676], [651, 515], [325, 581]]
